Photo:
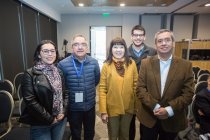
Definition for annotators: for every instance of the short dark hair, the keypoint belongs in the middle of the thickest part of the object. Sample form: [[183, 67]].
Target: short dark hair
[[38, 49], [138, 27], [118, 41], [164, 31]]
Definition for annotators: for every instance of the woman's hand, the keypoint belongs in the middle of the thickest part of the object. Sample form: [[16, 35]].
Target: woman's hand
[[60, 117], [104, 117], [200, 112], [54, 121]]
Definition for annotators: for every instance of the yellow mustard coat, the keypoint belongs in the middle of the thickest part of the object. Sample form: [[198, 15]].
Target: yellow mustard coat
[[116, 93]]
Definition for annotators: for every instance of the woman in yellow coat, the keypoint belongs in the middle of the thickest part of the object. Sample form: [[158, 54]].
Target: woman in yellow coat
[[117, 90]]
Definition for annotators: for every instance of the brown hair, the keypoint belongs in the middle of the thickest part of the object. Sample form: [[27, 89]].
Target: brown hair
[[118, 41]]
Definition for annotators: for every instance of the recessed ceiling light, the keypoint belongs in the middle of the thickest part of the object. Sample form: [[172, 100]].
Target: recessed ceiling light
[[122, 4], [208, 4], [163, 4], [81, 4]]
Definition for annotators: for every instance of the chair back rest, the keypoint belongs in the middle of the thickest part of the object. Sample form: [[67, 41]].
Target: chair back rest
[[22, 106], [6, 106], [195, 71], [7, 86], [17, 80], [19, 92], [203, 77], [194, 110], [202, 72], [200, 85]]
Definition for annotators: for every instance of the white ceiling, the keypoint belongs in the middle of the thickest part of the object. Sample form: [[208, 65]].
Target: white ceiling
[[180, 6]]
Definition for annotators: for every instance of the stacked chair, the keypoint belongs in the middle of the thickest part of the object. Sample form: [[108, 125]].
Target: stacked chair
[[11, 106], [203, 77], [195, 72], [17, 97], [6, 109], [7, 86]]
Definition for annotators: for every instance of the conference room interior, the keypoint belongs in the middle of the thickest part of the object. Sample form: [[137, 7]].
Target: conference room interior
[[24, 23]]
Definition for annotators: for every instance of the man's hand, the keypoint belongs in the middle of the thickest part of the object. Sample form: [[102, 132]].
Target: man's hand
[[161, 113]]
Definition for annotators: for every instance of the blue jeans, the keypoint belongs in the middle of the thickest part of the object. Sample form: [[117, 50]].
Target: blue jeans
[[49, 132], [77, 119]]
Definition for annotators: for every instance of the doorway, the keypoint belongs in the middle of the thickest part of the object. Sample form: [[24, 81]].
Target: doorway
[[100, 38]]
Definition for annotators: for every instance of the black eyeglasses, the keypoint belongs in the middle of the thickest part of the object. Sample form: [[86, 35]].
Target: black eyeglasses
[[136, 35], [47, 52]]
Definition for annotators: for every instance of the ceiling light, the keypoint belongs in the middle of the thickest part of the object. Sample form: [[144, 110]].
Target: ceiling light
[[207, 5], [163, 4], [81, 4], [122, 4]]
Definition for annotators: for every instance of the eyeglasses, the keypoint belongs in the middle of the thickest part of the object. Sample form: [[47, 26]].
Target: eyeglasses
[[136, 35], [166, 40], [79, 44], [118, 46], [47, 52]]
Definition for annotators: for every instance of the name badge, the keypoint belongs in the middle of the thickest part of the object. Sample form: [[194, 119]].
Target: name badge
[[78, 97]]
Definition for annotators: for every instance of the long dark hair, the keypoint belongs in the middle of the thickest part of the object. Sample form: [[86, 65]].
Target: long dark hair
[[118, 41], [38, 49]]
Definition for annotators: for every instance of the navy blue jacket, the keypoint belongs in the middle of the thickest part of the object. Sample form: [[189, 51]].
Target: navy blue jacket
[[85, 83]]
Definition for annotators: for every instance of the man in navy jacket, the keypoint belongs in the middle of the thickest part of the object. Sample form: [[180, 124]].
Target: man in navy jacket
[[82, 74]]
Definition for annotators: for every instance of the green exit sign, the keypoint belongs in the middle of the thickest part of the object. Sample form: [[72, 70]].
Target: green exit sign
[[106, 14]]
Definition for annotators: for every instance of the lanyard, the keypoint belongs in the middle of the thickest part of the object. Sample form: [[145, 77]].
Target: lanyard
[[79, 73]]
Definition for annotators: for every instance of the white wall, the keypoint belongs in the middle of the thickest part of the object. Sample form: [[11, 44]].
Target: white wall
[[182, 27], [204, 27], [128, 22], [80, 24], [151, 23]]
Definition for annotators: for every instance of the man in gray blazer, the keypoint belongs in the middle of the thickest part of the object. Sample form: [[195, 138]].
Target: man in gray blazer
[[164, 90]]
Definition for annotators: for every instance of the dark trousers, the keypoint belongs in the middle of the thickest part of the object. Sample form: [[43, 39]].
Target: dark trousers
[[77, 119], [155, 133], [132, 131]]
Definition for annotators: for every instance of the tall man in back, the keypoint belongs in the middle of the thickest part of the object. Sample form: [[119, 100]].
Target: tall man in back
[[164, 89], [138, 50], [82, 75]]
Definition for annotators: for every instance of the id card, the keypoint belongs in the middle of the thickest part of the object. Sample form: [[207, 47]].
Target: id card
[[78, 97]]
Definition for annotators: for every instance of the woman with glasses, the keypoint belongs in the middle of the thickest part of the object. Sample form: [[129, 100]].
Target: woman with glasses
[[44, 95], [117, 90]]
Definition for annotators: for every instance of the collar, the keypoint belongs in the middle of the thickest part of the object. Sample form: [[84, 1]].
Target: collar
[[134, 48], [81, 61], [165, 60]]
